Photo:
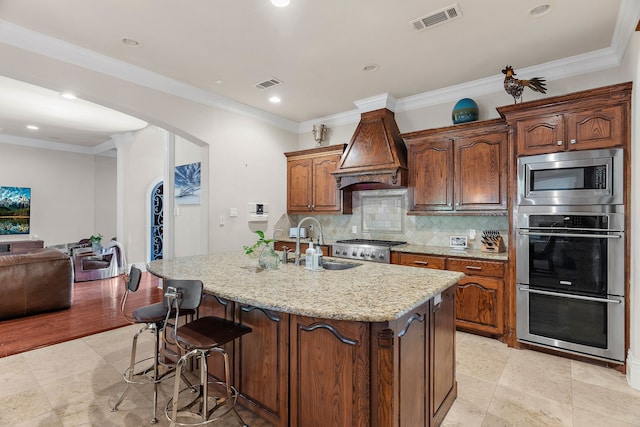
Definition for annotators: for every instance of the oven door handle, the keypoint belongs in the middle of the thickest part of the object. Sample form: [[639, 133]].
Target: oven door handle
[[589, 236], [580, 297]]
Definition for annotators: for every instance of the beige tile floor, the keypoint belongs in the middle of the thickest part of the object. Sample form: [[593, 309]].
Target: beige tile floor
[[77, 382]]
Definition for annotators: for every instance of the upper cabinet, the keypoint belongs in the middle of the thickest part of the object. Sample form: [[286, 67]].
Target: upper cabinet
[[597, 118], [311, 188], [458, 169]]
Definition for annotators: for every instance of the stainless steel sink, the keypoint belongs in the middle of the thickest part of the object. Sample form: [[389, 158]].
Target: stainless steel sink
[[334, 265]]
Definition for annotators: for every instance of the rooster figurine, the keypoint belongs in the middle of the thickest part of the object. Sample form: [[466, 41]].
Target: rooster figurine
[[515, 87]]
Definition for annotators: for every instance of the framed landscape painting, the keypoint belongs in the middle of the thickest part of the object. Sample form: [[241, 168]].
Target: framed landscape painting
[[15, 210]]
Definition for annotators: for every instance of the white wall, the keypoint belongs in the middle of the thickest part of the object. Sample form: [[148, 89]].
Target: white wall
[[247, 165], [105, 196], [62, 191], [142, 161], [190, 228]]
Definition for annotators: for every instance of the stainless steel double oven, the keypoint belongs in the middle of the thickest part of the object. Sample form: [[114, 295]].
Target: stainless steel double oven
[[570, 251]]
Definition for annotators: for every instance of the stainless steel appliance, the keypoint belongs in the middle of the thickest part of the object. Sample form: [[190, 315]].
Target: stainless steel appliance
[[590, 177], [363, 249], [570, 278]]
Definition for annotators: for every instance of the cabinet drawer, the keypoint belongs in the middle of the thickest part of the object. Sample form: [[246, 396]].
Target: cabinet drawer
[[419, 260], [475, 267]]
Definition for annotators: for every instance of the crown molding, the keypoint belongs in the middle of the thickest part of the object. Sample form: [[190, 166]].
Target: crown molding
[[580, 64], [41, 44]]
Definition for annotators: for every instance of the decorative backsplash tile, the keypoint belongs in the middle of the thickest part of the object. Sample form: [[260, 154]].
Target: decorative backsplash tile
[[382, 215]]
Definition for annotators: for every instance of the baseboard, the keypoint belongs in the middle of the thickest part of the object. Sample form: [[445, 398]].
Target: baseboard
[[633, 371]]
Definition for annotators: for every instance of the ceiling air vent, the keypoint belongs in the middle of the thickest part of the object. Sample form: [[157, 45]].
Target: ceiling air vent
[[438, 17], [268, 83]]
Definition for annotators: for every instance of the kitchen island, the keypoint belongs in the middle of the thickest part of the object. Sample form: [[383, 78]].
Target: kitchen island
[[371, 345]]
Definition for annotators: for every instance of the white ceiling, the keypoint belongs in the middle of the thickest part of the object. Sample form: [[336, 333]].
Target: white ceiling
[[316, 48]]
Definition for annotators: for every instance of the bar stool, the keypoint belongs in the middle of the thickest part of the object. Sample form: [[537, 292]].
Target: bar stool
[[199, 339], [155, 318]]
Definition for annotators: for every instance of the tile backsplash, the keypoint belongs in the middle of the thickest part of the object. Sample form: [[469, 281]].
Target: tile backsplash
[[382, 215]]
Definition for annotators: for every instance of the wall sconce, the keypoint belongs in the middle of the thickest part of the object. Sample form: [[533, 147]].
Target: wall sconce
[[319, 132]]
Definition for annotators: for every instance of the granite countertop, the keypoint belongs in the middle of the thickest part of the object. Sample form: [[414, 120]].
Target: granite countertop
[[428, 250], [371, 292], [445, 251]]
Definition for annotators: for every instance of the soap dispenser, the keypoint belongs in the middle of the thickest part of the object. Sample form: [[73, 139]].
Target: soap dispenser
[[309, 255]]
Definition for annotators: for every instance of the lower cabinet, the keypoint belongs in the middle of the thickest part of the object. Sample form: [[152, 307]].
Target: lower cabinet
[[479, 295], [479, 306], [329, 381], [301, 371], [263, 363]]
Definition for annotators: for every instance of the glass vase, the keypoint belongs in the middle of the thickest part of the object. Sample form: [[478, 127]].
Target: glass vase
[[269, 258]]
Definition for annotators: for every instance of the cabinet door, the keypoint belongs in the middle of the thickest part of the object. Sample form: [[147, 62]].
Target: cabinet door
[[263, 368], [431, 176], [329, 373], [443, 357], [596, 129], [326, 196], [481, 172], [299, 185], [479, 304], [540, 135]]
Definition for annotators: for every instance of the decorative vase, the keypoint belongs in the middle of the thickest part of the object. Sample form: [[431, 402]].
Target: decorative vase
[[465, 110], [269, 258], [96, 247]]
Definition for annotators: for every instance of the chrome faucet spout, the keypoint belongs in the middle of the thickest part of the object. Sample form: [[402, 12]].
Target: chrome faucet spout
[[297, 253]]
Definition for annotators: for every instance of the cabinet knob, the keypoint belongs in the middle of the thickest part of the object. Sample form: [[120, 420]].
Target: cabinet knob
[[559, 143], [573, 141]]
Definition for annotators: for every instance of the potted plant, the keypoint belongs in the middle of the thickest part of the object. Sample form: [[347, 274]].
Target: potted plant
[[96, 242], [268, 257]]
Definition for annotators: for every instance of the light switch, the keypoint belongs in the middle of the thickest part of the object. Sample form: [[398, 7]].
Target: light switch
[[221, 221]]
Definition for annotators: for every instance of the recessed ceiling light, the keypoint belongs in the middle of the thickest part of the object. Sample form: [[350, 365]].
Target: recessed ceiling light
[[68, 95], [370, 67], [131, 42], [540, 10], [219, 82], [32, 127], [275, 99], [280, 3]]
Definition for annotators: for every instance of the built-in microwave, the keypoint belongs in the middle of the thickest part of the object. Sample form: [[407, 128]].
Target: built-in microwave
[[589, 177]]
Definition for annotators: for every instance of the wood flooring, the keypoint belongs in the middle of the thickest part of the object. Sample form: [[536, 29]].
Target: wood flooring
[[95, 308]]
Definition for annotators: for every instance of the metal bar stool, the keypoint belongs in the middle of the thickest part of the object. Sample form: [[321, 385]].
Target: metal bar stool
[[199, 339], [155, 318]]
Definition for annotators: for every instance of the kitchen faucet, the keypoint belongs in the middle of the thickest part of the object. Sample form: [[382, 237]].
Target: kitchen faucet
[[320, 239]]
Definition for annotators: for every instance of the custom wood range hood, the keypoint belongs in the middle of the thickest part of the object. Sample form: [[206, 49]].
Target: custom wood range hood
[[376, 156]]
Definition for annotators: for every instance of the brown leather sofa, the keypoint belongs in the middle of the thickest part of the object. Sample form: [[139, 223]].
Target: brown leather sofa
[[35, 282]]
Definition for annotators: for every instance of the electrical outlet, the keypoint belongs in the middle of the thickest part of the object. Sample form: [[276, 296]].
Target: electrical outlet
[[472, 234], [354, 229]]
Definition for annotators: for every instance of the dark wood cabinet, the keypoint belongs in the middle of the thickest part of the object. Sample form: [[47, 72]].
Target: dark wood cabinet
[[585, 130], [418, 260], [301, 371], [458, 169], [479, 295], [479, 302], [329, 373], [443, 355], [263, 363], [310, 185], [592, 119]]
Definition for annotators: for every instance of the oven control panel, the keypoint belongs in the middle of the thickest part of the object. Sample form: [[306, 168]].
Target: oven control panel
[[361, 252]]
